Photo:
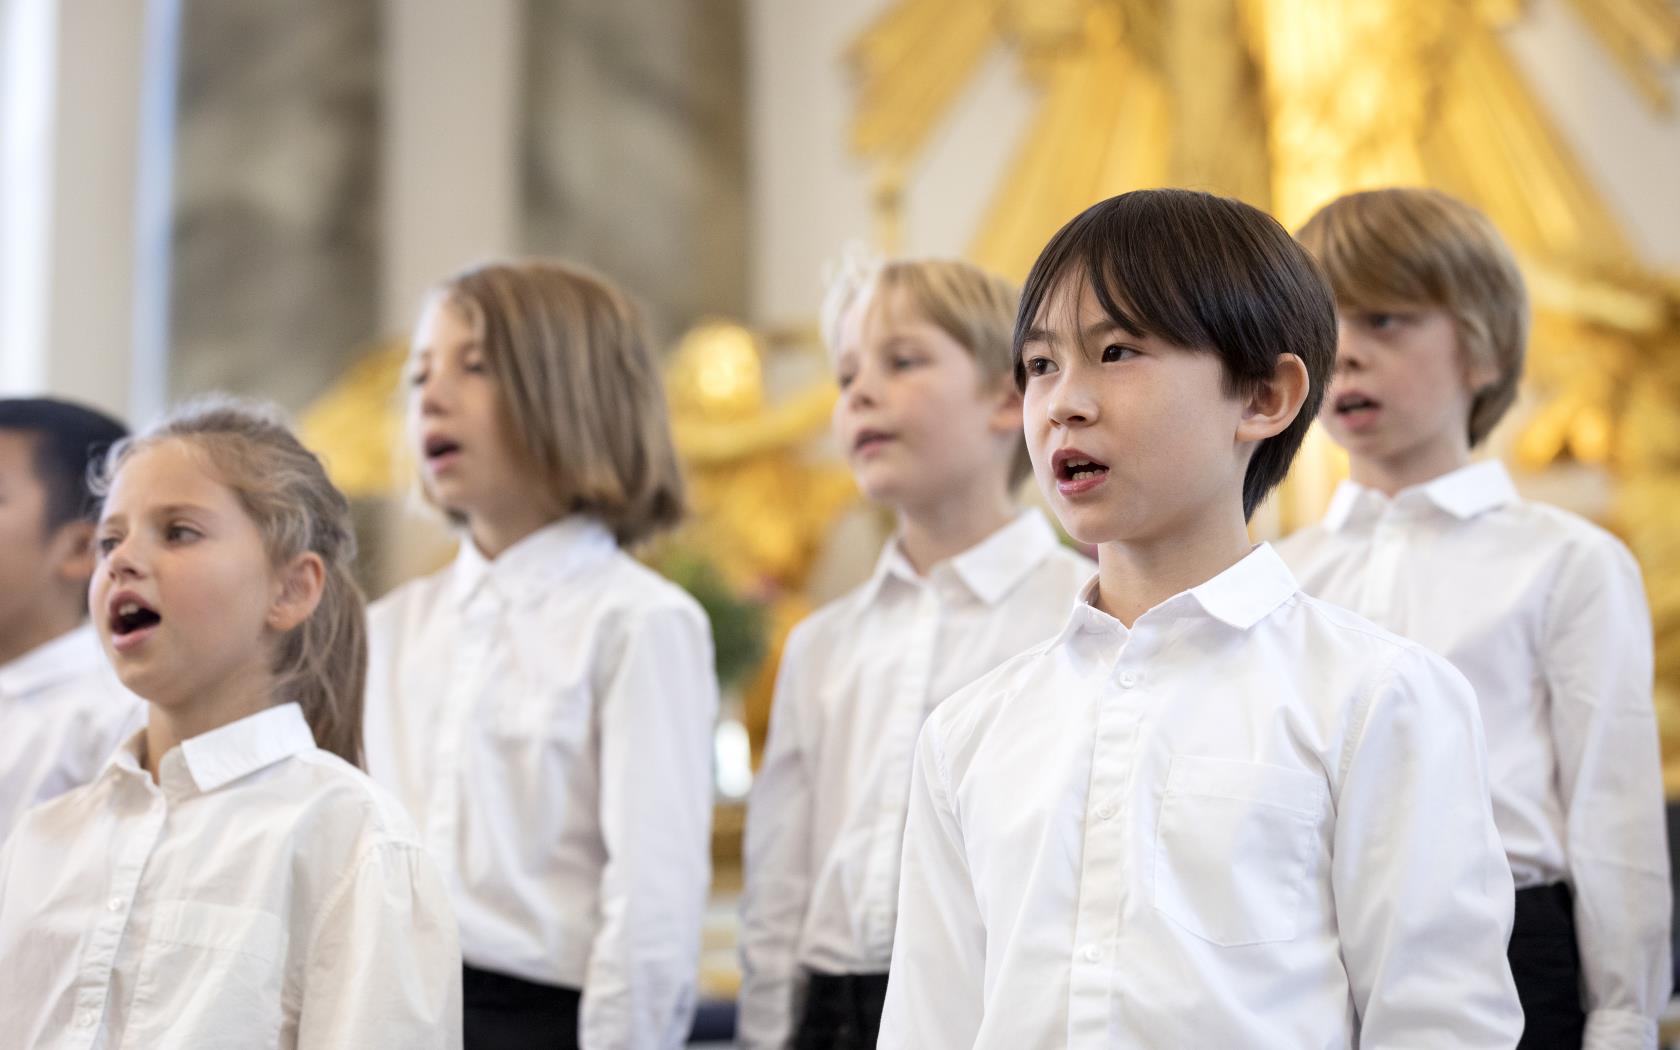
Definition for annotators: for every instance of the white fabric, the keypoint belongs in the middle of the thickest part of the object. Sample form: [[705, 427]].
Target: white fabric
[[262, 894], [1251, 820], [62, 713], [1546, 615], [547, 717], [826, 818]]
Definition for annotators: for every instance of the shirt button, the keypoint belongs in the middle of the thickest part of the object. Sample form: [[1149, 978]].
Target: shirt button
[[1105, 812], [1092, 953], [1127, 679], [85, 1019], [115, 904]]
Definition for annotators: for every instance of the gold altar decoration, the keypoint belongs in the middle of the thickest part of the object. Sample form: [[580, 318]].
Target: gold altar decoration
[[760, 503], [1287, 103]]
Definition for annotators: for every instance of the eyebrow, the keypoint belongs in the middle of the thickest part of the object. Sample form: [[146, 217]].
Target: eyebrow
[[1092, 332]]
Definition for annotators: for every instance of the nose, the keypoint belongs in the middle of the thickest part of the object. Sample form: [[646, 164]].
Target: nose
[[1070, 404], [864, 389], [122, 562], [433, 392]]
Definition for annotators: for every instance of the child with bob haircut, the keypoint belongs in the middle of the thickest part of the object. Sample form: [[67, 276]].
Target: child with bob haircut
[[1212, 811], [545, 704], [1542, 611], [930, 421], [231, 878], [62, 707]]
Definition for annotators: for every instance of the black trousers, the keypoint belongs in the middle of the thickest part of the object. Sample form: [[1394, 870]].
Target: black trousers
[[842, 1012], [506, 1013], [1546, 963]]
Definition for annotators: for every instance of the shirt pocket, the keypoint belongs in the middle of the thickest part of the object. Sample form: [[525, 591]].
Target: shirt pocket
[[210, 975], [1234, 848]]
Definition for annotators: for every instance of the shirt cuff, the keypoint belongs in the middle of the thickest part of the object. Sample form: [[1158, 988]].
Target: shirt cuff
[[1619, 1030]]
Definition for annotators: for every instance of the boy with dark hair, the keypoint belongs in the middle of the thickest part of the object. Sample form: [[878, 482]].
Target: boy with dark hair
[[1212, 811], [62, 711], [1542, 611]]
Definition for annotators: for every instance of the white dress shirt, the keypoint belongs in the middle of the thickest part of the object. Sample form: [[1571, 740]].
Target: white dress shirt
[[262, 894], [1253, 820], [1545, 614], [62, 713], [825, 822], [548, 717]]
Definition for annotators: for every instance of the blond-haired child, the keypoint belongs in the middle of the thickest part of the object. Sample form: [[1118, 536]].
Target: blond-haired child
[[930, 422], [545, 704], [231, 878], [1543, 612]]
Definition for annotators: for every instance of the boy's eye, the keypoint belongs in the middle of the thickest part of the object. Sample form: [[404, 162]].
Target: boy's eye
[[900, 362], [1114, 352], [1380, 322], [1039, 366], [843, 380], [417, 377]]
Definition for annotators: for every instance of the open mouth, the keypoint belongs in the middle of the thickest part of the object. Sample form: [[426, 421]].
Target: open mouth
[[1350, 403], [131, 620], [869, 440], [1077, 471], [438, 447]]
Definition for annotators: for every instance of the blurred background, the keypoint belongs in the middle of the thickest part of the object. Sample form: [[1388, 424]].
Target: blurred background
[[253, 196]]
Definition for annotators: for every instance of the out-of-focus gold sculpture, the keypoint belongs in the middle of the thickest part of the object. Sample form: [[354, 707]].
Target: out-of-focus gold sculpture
[[1287, 103], [760, 504]]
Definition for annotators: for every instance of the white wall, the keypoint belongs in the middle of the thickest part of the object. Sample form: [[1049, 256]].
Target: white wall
[[810, 195]]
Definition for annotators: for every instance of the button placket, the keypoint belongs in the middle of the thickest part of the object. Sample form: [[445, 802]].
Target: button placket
[[1105, 867], [910, 706], [93, 983], [466, 683]]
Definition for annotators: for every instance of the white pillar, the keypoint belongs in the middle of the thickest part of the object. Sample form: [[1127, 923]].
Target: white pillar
[[450, 172], [74, 75]]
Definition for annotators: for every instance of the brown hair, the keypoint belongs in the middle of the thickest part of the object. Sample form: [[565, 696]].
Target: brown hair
[[322, 662], [971, 305], [1206, 273], [1409, 247], [582, 398]]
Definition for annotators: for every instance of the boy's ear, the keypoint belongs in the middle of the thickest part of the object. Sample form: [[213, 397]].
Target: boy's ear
[[299, 586], [71, 549], [1006, 408], [1276, 401]]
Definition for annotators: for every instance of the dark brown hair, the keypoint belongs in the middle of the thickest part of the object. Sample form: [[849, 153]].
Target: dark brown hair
[[1208, 274]]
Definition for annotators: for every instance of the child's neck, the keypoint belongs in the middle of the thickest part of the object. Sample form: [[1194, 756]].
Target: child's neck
[[1134, 576], [36, 627], [1416, 466], [493, 534], [169, 722], [930, 533]]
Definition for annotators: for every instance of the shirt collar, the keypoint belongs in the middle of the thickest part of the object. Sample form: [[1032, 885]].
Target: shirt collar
[[240, 748], [71, 654], [990, 569], [1464, 493], [531, 567], [1240, 597]]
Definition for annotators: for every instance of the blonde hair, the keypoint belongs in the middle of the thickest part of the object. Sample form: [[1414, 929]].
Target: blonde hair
[[321, 663], [1394, 248], [971, 305], [582, 400]]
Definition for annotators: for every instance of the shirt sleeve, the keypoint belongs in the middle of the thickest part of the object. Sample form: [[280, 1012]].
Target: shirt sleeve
[[936, 988], [1598, 666], [658, 703], [777, 887], [1422, 890], [384, 967]]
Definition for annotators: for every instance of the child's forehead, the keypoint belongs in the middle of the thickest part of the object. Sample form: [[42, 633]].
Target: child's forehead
[[876, 312]]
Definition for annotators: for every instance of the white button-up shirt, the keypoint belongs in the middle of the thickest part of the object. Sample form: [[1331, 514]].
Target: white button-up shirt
[[1252, 820], [547, 717], [1545, 614], [826, 818], [261, 894], [62, 713]]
